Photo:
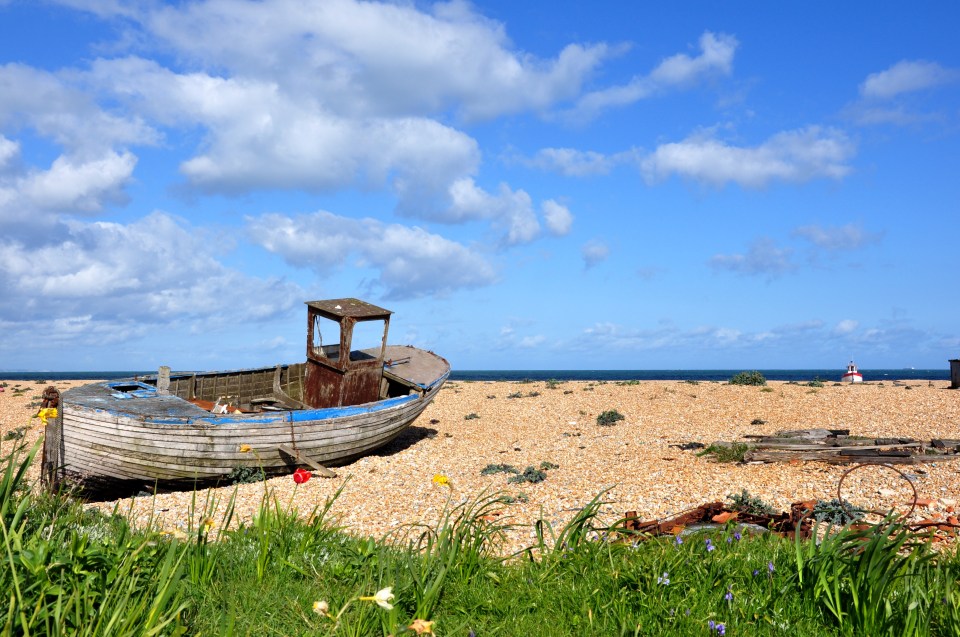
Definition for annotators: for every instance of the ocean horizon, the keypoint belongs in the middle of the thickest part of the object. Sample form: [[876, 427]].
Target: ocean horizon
[[706, 375]]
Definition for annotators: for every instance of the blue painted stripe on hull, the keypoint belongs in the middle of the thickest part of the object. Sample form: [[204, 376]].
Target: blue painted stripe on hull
[[305, 415]]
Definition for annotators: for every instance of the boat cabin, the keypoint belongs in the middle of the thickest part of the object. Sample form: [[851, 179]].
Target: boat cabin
[[346, 340]]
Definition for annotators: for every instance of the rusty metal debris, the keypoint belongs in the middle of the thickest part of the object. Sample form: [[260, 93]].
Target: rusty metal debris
[[799, 520]]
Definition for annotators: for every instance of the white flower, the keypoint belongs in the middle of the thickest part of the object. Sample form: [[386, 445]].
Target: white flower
[[382, 598]]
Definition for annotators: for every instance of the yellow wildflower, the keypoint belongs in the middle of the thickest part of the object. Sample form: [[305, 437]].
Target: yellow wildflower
[[207, 524], [48, 412], [421, 627], [245, 448], [382, 598], [441, 480]]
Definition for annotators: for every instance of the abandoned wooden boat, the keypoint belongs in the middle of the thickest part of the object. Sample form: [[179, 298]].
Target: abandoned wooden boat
[[341, 403]]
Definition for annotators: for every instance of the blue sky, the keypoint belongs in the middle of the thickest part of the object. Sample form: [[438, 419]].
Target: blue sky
[[599, 185]]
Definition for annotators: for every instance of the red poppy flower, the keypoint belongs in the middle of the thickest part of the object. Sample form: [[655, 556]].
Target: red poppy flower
[[301, 475]]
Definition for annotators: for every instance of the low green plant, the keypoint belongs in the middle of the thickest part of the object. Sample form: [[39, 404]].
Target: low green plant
[[245, 475], [530, 474], [491, 469], [744, 502], [515, 394], [546, 465], [836, 512], [816, 382], [471, 416], [733, 452], [748, 378], [609, 418]]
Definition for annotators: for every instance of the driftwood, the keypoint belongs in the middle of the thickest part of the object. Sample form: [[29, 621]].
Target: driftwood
[[837, 446]]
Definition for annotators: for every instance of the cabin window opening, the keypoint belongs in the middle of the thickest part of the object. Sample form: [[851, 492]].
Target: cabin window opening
[[367, 340], [134, 389], [326, 338]]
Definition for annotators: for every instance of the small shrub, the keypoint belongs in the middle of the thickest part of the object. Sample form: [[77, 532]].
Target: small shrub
[[533, 394], [758, 421], [627, 383], [749, 504], [692, 382], [553, 383], [15, 434], [529, 475], [546, 465], [471, 416], [838, 512], [766, 390], [727, 453], [748, 378], [515, 394], [246, 475], [491, 469], [609, 418], [816, 382]]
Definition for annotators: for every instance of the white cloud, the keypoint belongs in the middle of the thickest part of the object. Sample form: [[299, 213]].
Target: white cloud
[[557, 217], [60, 107], [846, 326], [762, 258], [793, 156], [510, 211], [362, 57], [847, 237], [572, 162], [127, 278], [906, 76], [715, 58], [411, 262], [594, 252]]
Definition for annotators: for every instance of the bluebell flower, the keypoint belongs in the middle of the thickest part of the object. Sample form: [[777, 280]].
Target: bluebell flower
[[729, 595], [678, 540], [711, 624], [710, 545], [721, 629], [664, 579], [770, 566], [729, 540], [756, 572], [737, 536]]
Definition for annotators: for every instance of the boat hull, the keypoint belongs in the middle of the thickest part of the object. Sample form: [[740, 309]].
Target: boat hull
[[99, 438], [851, 378]]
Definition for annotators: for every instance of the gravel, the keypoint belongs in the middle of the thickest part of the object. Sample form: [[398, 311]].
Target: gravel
[[635, 462]]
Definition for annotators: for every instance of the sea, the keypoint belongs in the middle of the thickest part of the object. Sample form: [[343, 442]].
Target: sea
[[706, 375]]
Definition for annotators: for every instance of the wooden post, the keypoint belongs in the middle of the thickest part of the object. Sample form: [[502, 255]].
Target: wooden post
[[163, 380], [955, 373]]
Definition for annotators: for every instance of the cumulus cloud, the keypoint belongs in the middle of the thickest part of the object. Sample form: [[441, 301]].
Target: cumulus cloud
[[125, 278], [411, 262], [906, 76], [792, 156], [715, 58], [61, 108], [762, 258], [557, 217], [594, 252], [847, 237], [359, 57]]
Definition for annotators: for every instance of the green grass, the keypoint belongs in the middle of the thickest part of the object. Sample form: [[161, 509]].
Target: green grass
[[70, 571]]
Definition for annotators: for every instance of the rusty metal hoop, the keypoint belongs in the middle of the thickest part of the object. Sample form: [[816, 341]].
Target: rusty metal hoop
[[843, 503]]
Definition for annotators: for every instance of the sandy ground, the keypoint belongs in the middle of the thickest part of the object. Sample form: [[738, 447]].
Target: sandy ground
[[475, 424]]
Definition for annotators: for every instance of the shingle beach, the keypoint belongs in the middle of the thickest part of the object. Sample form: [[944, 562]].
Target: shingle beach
[[472, 425]]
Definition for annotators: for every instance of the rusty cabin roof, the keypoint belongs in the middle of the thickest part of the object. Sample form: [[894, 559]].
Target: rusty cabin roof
[[354, 308]]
